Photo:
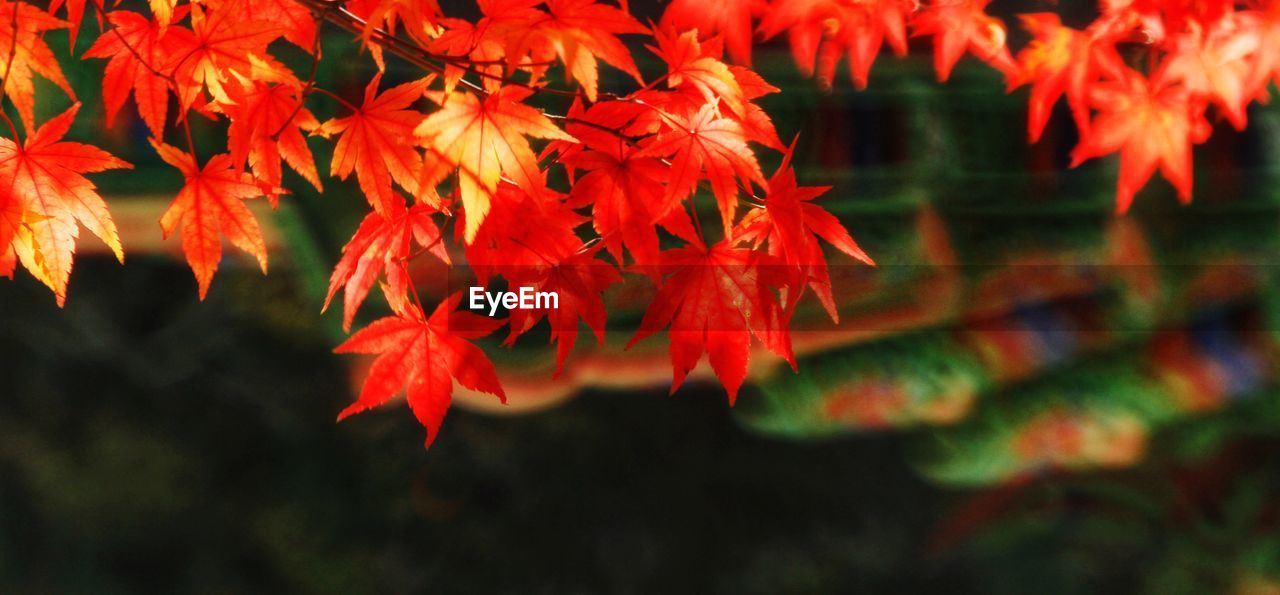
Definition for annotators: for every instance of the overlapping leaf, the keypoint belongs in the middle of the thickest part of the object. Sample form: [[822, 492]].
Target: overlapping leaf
[[422, 357], [714, 300], [708, 146], [141, 53], [1152, 126], [211, 207], [43, 177], [23, 53], [792, 224], [383, 245], [267, 122], [485, 139], [376, 143]]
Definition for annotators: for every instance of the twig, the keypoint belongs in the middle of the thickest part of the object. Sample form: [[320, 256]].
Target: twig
[[335, 97], [306, 89]]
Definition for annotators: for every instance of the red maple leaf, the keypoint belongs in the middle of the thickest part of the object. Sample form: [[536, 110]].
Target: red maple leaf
[[691, 64], [377, 143], [963, 25], [624, 189], [131, 70], [43, 178], [523, 232], [422, 357], [1061, 60], [295, 21], [822, 32], [383, 245], [578, 283], [267, 122], [1152, 125], [709, 146], [529, 240], [714, 300], [791, 224], [75, 15], [756, 124], [729, 18], [627, 200], [578, 32], [10, 225], [209, 207]]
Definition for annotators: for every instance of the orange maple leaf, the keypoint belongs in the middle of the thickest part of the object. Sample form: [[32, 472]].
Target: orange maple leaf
[[1061, 60], [579, 32], [730, 18], [44, 176], [209, 207], [228, 39], [419, 17], [377, 143], [130, 71], [163, 11], [484, 139], [422, 358], [381, 245], [688, 63], [963, 25], [265, 127], [29, 55], [1216, 62], [1152, 125]]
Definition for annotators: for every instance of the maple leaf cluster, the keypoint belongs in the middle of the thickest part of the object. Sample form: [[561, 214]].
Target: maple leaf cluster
[[1139, 79], [465, 163], [460, 165]]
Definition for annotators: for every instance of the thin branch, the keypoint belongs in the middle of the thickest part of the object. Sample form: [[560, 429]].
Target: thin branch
[[413, 290], [306, 89], [357, 26], [335, 97], [191, 145], [433, 62]]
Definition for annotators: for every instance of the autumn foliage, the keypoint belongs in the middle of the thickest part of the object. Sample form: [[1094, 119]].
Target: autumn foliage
[[464, 162]]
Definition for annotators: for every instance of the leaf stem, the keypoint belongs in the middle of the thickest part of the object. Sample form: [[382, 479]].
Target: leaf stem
[[307, 88], [335, 97]]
